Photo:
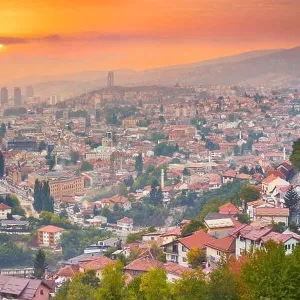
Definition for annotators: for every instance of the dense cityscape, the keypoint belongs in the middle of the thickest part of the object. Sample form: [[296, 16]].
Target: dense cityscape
[[168, 180], [150, 150]]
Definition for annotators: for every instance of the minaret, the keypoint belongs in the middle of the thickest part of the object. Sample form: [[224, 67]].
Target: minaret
[[162, 178], [240, 134], [284, 153]]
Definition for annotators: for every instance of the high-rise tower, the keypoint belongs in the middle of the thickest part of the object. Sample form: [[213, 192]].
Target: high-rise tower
[[29, 91], [110, 79], [4, 95], [17, 96]]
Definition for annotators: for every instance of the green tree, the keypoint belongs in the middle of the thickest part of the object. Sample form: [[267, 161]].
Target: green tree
[[191, 286], [133, 291], [271, 274], [37, 196], [191, 227], [222, 284], [2, 164], [295, 156], [86, 166], [40, 265], [42, 146], [47, 200], [2, 130], [139, 163], [195, 257], [89, 278], [154, 285], [292, 200], [77, 290], [74, 157], [112, 282], [249, 193]]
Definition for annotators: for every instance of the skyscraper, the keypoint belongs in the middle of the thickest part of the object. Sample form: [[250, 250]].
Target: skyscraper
[[110, 79], [29, 91], [4, 95], [17, 96]]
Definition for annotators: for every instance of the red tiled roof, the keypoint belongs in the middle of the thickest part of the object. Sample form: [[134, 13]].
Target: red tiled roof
[[278, 237], [4, 206], [143, 264], [269, 179], [196, 240], [173, 231], [272, 211], [175, 269], [225, 244], [96, 264], [229, 173], [125, 220], [250, 232], [68, 271], [228, 208], [51, 229]]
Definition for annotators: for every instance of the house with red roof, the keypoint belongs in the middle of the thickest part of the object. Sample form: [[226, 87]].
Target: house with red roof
[[228, 176], [49, 236], [219, 249], [97, 264], [174, 271], [125, 225], [176, 251], [142, 265], [229, 209], [249, 237], [4, 210], [272, 181], [121, 201]]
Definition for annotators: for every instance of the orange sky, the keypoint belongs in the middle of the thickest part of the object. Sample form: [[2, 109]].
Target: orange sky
[[49, 37]]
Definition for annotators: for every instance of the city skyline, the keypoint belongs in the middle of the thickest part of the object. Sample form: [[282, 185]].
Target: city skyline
[[56, 38]]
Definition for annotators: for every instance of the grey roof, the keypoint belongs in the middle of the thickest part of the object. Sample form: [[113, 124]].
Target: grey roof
[[217, 216], [81, 258], [14, 222], [22, 287]]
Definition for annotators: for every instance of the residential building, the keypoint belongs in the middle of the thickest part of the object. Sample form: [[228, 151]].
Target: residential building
[[176, 251], [219, 249], [97, 264], [272, 214], [4, 210], [220, 224], [272, 181], [23, 288], [125, 224], [142, 265], [49, 236]]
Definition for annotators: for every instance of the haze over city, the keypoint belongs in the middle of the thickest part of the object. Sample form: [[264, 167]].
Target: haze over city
[[149, 149], [55, 37]]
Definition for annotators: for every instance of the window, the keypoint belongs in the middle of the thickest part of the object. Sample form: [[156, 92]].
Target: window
[[152, 238], [218, 253], [184, 259], [285, 247], [183, 249], [135, 272], [289, 246], [41, 292]]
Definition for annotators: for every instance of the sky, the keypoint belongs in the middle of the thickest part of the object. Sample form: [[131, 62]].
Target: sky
[[53, 37]]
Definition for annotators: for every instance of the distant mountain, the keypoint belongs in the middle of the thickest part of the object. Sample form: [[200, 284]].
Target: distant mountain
[[255, 67], [260, 66]]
